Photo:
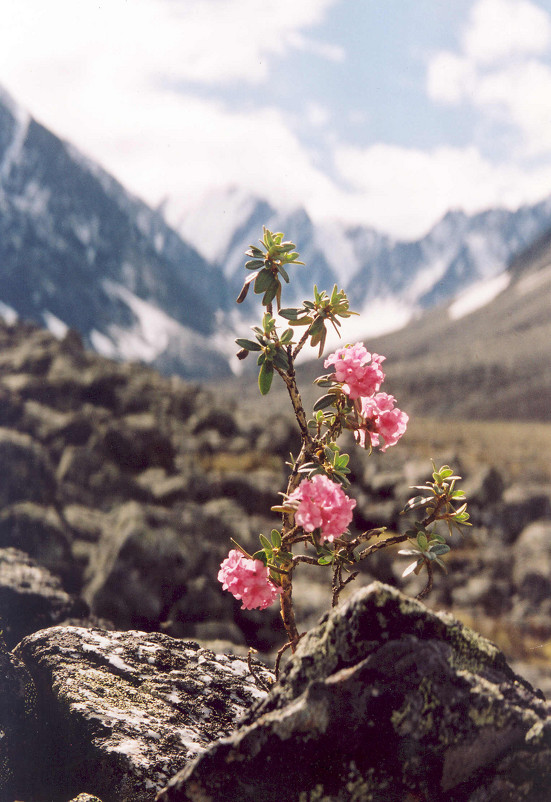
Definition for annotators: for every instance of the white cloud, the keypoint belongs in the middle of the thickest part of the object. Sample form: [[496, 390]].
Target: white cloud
[[501, 70], [505, 29], [404, 190], [109, 77]]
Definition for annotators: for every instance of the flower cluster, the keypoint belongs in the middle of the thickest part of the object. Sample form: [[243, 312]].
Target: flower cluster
[[352, 367], [247, 580], [378, 421], [380, 418], [321, 504]]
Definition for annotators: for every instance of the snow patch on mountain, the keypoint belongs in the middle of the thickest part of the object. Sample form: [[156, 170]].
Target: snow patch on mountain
[[56, 326], [12, 154], [8, 314], [478, 295]]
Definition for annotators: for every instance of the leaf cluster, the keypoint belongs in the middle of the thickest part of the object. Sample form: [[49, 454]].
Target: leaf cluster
[[437, 502], [269, 263], [317, 313]]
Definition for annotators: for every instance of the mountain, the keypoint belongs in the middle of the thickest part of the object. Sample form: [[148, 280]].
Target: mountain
[[404, 276], [78, 251], [486, 354]]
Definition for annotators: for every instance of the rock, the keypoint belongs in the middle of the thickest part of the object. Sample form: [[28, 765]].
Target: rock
[[27, 474], [85, 798], [493, 595], [532, 562], [148, 558], [31, 598], [383, 701], [122, 710], [17, 700], [483, 486], [521, 505], [38, 531], [135, 443]]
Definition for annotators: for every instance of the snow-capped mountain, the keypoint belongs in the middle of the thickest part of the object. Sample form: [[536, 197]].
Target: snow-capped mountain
[[401, 278], [78, 251]]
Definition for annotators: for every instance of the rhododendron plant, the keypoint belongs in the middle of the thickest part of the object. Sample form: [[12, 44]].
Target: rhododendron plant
[[316, 510]]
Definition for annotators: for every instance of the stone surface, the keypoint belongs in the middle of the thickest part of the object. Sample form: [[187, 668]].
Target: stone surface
[[383, 701], [17, 722], [123, 709]]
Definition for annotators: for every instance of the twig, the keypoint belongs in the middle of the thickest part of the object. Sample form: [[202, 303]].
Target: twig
[[428, 587], [263, 684]]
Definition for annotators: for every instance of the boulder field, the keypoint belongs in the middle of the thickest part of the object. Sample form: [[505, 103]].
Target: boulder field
[[124, 665]]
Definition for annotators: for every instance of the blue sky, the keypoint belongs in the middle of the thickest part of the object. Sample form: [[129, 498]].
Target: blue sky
[[384, 112]]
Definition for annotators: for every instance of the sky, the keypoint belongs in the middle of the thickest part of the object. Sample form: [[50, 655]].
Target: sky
[[380, 112]]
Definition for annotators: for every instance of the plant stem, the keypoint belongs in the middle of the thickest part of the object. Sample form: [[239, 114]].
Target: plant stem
[[287, 612]]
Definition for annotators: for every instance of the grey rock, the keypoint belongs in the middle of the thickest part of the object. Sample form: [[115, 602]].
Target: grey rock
[[31, 598], [28, 474], [123, 709], [148, 558], [383, 701], [38, 531], [17, 723], [522, 504], [532, 562]]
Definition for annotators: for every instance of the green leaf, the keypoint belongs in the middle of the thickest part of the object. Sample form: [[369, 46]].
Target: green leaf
[[276, 539], [254, 264], [266, 545], [250, 345], [416, 502], [323, 402], [286, 337], [280, 360], [283, 273], [265, 377], [422, 541], [439, 548], [290, 313], [325, 559], [271, 292], [260, 555], [263, 281]]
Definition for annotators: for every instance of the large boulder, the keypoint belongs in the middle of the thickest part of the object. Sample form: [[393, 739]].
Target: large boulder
[[149, 558], [117, 712], [384, 700]]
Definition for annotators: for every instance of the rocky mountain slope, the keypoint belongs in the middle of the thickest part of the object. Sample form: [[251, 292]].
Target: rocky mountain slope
[[472, 359], [78, 251]]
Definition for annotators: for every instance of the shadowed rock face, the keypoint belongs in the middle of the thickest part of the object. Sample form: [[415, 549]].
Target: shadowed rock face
[[383, 701], [118, 712]]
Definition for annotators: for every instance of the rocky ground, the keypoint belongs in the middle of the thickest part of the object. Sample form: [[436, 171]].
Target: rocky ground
[[119, 496]]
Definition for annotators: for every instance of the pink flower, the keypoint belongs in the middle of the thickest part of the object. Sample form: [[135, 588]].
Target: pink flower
[[247, 580], [352, 369], [322, 504], [381, 419]]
